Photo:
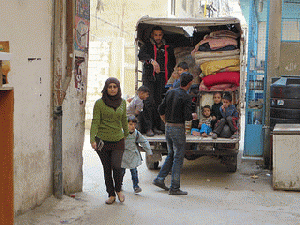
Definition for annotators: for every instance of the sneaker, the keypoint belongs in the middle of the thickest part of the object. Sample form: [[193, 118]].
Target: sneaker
[[160, 184], [214, 136], [137, 190], [177, 192], [156, 131], [149, 133]]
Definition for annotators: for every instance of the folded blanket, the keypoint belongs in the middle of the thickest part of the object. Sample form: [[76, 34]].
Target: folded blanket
[[213, 67], [222, 78], [203, 60], [213, 54]]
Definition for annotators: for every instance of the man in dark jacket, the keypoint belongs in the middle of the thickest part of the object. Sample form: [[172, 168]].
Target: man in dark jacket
[[158, 65], [175, 109]]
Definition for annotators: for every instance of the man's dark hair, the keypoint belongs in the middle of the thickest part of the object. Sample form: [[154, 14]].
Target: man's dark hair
[[183, 65], [131, 119], [157, 28], [205, 107], [143, 89], [227, 96], [185, 79]]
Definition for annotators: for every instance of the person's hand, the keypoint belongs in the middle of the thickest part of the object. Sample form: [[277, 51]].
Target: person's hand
[[214, 118], [129, 99], [136, 112], [156, 66], [223, 108], [199, 125], [194, 116], [195, 50], [163, 118], [94, 145]]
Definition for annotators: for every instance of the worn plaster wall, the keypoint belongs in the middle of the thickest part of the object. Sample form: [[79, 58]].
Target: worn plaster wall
[[27, 27]]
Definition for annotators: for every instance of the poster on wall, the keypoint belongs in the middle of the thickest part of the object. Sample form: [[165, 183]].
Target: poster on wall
[[83, 9], [80, 74], [81, 34]]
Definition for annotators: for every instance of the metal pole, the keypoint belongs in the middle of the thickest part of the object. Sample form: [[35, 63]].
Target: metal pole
[[57, 153]]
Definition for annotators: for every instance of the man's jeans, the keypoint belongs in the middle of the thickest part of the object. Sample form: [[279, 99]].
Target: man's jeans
[[134, 176], [175, 136]]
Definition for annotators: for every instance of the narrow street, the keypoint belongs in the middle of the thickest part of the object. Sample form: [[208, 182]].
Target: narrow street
[[214, 197]]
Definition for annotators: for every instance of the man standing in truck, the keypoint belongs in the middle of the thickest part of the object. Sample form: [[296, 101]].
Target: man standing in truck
[[175, 109], [158, 64]]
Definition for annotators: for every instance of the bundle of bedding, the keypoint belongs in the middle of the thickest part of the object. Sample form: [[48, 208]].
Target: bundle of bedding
[[218, 57]]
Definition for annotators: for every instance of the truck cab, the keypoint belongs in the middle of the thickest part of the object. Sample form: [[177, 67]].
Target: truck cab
[[184, 34]]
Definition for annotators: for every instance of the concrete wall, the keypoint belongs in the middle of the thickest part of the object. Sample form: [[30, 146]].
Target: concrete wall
[[27, 27]]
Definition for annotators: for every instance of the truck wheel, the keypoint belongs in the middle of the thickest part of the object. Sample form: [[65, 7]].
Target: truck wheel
[[152, 165], [230, 162], [153, 161]]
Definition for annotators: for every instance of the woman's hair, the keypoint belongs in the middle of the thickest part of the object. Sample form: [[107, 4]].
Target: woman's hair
[[183, 65], [132, 119], [185, 79]]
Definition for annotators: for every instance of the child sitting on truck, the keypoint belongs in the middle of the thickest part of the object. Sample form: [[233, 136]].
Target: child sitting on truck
[[181, 68], [229, 117], [203, 127], [215, 108]]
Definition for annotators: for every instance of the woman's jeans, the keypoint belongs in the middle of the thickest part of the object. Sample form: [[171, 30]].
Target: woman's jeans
[[111, 157], [134, 176], [175, 137]]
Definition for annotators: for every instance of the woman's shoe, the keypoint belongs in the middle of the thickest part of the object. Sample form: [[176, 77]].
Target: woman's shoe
[[110, 200], [121, 196]]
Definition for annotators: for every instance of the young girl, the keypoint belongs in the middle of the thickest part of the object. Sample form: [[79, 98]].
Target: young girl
[[204, 127], [215, 108], [132, 157]]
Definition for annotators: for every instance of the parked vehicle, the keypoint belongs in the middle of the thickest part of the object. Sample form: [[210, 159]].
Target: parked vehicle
[[183, 34]]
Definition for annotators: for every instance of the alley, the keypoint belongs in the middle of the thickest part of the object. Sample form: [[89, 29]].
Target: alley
[[214, 197]]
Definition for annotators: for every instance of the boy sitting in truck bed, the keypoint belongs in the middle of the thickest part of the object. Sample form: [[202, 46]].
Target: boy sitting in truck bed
[[229, 117]]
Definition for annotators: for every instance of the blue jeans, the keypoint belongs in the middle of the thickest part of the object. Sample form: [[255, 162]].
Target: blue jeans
[[134, 176], [175, 137]]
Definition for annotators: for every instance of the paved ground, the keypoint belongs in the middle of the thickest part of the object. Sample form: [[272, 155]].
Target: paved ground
[[215, 197]]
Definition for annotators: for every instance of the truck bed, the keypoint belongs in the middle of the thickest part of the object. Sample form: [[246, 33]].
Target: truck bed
[[194, 139]]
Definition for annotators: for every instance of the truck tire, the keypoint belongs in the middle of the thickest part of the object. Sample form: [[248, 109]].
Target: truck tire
[[285, 103], [153, 162], [152, 165], [284, 113]]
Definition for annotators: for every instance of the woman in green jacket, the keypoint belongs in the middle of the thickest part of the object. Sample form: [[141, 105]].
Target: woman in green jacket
[[110, 125]]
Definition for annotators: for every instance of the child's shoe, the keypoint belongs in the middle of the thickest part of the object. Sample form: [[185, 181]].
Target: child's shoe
[[214, 136], [137, 190]]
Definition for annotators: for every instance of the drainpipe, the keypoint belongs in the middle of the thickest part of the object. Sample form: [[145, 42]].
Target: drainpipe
[[273, 54], [60, 82]]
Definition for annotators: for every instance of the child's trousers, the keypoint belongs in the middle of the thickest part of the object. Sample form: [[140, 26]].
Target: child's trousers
[[134, 176]]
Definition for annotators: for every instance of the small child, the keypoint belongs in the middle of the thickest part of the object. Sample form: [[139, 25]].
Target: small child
[[229, 116], [181, 68], [132, 157], [215, 108], [136, 104], [203, 127]]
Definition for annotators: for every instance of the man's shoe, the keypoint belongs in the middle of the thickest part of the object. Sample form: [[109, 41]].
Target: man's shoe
[[160, 184], [137, 190], [149, 133], [156, 131], [177, 192]]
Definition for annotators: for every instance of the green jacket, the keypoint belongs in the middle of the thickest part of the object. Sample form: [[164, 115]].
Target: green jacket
[[107, 123]]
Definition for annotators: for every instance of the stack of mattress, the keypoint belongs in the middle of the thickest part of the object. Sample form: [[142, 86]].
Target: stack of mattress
[[219, 59]]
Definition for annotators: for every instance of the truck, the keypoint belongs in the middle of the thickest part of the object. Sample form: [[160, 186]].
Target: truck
[[184, 34]]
